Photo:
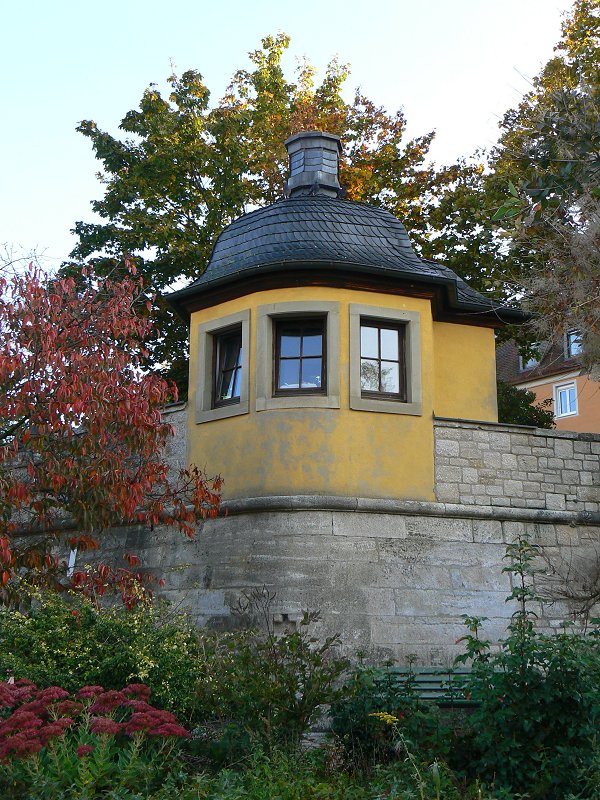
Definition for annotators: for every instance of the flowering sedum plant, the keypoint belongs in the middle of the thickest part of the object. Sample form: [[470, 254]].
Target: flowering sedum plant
[[51, 741]]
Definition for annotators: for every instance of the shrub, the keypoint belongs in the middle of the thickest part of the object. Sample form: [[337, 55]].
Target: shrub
[[371, 695], [52, 743], [539, 704], [66, 640], [263, 690]]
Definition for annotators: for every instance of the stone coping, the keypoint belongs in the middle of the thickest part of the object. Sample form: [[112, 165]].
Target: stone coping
[[503, 427], [310, 502]]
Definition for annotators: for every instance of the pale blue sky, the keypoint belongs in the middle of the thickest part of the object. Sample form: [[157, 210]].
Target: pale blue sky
[[452, 65]]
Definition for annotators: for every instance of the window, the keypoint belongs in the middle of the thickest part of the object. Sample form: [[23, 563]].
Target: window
[[382, 363], [565, 400], [385, 360], [533, 359], [223, 346], [228, 367], [574, 345], [298, 355]]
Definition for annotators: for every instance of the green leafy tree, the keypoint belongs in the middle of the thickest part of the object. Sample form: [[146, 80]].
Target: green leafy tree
[[549, 157], [518, 407], [186, 169]]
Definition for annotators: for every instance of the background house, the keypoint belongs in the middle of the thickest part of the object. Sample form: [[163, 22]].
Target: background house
[[555, 374]]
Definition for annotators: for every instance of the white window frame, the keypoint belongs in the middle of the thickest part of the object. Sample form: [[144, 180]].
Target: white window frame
[[265, 390], [207, 331], [412, 319], [556, 390]]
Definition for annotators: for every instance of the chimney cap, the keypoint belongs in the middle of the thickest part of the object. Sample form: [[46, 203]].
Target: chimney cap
[[313, 134], [314, 164]]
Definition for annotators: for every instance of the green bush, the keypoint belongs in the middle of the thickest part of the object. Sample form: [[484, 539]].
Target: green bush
[[68, 641], [370, 739], [263, 690], [538, 700]]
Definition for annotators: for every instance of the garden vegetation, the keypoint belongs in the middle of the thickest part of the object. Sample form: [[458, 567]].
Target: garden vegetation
[[111, 702]]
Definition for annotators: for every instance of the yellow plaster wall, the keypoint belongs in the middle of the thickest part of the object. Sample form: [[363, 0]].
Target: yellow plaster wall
[[465, 372], [338, 451]]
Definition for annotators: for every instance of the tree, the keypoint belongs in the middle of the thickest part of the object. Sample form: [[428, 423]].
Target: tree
[[81, 433], [189, 169], [549, 154], [518, 407]]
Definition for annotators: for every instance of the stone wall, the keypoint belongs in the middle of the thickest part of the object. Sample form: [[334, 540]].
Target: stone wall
[[516, 466], [393, 577]]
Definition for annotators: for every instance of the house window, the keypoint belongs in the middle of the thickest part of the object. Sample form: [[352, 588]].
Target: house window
[[565, 400], [228, 367], [533, 359], [298, 355], [574, 345], [382, 363], [385, 360], [223, 368]]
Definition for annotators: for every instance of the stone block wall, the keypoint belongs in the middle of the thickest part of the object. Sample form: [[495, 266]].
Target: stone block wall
[[393, 577], [516, 466]]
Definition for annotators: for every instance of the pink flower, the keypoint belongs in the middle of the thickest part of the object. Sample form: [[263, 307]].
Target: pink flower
[[69, 707], [89, 691], [139, 705], [19, 746], [105, 725], [169, 729], [52, 693], [84, 749], [108, 701], [138, 690]]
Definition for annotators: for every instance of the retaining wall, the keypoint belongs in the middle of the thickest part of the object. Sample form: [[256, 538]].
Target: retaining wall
[[393, 577]]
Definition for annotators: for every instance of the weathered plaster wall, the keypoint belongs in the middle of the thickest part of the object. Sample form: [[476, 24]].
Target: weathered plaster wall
[[393, 577], [341, 450]]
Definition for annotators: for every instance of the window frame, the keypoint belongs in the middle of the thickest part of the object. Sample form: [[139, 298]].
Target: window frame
[[383, 402], [400, 328], [217, 372], [207, 408], [267, 395], [556, 390], [573, 333], [278, 323]]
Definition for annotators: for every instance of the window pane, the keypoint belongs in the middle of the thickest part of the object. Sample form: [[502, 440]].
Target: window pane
[[369, 375], [311, 373], [290, 343], [369, 346], [226, 388], [572, 400], [312, 344], [289, 373], [230, 351], [574, 344], [389, 344], [390, 377], [236, 382]]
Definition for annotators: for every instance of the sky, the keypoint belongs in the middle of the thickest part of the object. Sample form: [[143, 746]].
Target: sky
[[452, 65]]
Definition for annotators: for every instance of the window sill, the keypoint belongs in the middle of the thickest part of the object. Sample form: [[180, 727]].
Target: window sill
[[384, 406]]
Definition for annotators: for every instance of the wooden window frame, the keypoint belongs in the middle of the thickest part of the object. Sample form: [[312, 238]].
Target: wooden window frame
[[303, 321], [206, 408], [400, 328], [267, 316], [217, 371], [387, 317]]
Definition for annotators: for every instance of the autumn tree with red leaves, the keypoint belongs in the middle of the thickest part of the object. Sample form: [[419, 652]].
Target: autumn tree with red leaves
[[81, 433]]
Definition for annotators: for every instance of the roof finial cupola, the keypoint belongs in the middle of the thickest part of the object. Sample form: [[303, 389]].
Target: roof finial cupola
[[314, 164]]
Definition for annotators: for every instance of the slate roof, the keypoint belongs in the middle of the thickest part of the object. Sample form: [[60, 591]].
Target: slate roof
[[311, 231]]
